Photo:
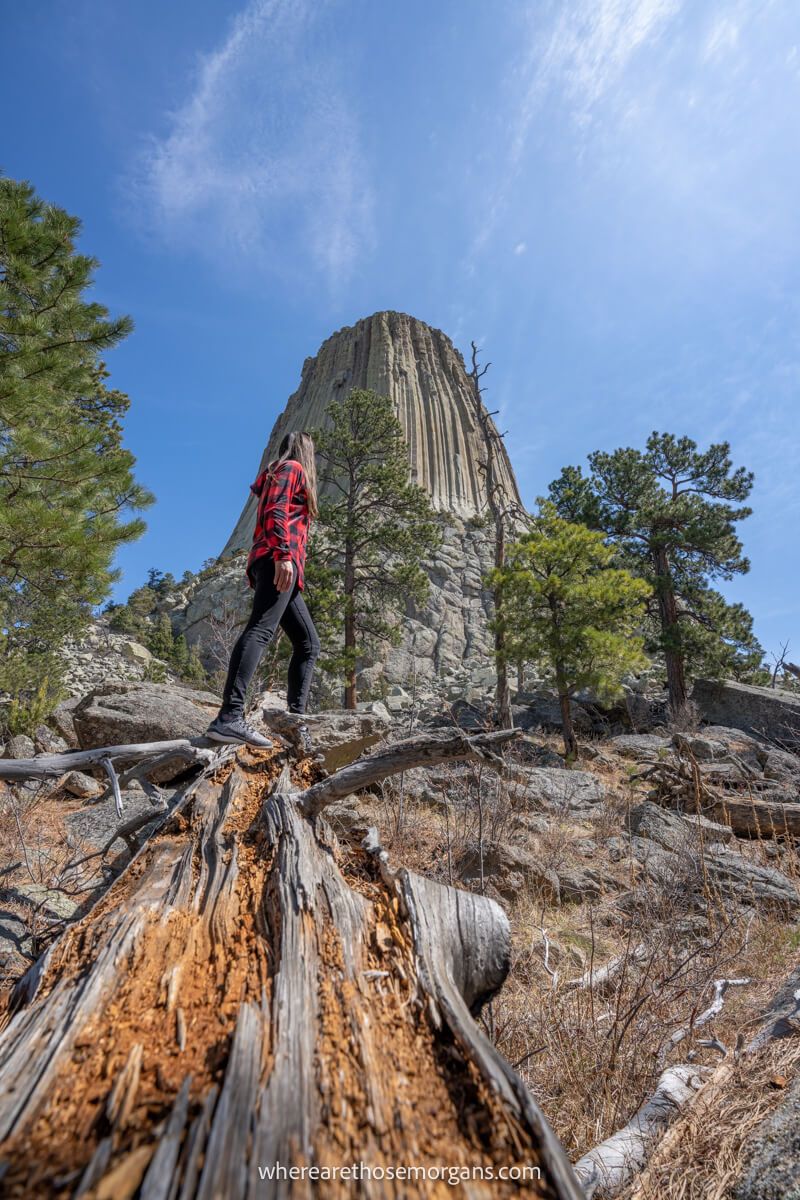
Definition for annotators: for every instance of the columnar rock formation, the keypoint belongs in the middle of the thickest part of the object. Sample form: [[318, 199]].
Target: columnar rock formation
[[420, 369], [423, 373]]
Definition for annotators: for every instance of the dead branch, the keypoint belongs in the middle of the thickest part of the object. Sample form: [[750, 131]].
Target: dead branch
[[402, 756], [52, 766], [598, 979], [615, 1161]]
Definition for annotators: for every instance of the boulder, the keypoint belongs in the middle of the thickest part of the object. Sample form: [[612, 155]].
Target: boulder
[[748, 882], [509, 868], [672, 830], [544, 712], [340, 736], [764, 712], [557, 789], [772, 1160], [577, 884], [91, 826], [137, 653], [48, 742], [704, 749], [81, 786], [121, 713], [61, 720], [20, 746], [643, 747], [398, 699]]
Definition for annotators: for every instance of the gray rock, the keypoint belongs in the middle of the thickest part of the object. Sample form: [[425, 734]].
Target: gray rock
[[672, 830], [704, 749], [137, 653], [643, 747], [122, 713], [92, 825], [20, 747], [748, 882], [773, 1155], [340, 736], [509, 867], [764, 712], [49, 902], [572, 791], [81, 786], [585, 883], [544, 712], [48, 742], [119, 713]]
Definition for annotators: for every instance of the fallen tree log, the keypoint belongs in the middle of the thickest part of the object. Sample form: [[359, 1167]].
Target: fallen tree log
[[249, 1001], [608, 1167], [759, 818], [53, 766]]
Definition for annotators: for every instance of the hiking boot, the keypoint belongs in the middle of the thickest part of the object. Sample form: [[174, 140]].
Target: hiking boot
[[236, 731]]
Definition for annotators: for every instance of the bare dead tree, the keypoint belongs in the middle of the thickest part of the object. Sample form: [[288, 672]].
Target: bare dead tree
[[503, 509], [780, 663]]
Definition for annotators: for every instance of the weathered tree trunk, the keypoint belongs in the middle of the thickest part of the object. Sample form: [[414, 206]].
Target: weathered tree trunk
[[497, 505], [250, 999], [668, 615], [503, 694], [760, 817]]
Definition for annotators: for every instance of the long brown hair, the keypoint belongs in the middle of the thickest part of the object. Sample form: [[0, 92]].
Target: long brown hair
[[300, 447]]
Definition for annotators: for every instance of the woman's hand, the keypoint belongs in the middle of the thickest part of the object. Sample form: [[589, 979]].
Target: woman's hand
[[283, 575]]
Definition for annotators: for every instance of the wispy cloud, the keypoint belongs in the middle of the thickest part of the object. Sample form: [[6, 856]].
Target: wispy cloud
[[262, 163], [579, 57]]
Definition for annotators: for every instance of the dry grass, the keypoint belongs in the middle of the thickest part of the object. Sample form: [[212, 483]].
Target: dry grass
[[593, 1055], [707, 1150]]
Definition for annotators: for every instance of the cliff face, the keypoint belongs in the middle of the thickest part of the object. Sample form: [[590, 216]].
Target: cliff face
[[420, 369], [422, 372]]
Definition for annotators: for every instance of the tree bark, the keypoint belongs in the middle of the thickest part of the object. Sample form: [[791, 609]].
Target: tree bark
[[567, 727], [349, 631], [502, 691], [247, 997], [608, 1167], [668, 615]]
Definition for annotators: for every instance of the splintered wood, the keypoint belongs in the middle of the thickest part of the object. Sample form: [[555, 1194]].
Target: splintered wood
[[248, 1003]]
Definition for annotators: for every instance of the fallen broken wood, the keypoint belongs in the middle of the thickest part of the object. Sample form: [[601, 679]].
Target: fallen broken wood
[[52, 766], [248, 996], [760, 818], [612, 1164]]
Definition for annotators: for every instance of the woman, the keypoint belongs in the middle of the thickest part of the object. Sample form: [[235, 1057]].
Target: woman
[[287, 500]]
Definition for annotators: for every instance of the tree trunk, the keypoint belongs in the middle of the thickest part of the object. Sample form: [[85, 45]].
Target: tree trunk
[[668, 616], [498, 511], [349, 628], [567, 728], [248, 999], [503, 695]]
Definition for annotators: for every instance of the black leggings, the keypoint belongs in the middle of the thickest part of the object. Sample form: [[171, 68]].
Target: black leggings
[[270, 609]]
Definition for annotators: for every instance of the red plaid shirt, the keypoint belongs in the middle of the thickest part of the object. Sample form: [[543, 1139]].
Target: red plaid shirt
[[282, 519]]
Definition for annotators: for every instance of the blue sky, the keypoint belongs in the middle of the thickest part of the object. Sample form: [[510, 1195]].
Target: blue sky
[[603, 193]]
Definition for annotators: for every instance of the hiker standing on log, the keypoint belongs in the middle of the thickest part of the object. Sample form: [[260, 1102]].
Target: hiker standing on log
[[287, 500]]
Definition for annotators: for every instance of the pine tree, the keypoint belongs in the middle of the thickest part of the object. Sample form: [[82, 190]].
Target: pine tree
[[671, 510], [375, 524], [567, 607], [66, 484]]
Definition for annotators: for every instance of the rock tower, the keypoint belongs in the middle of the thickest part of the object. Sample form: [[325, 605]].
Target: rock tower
[[423, 373]]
